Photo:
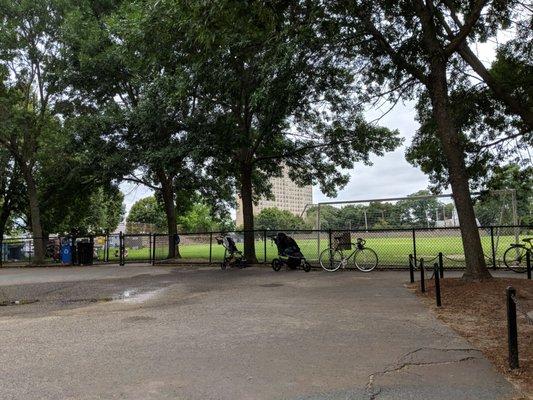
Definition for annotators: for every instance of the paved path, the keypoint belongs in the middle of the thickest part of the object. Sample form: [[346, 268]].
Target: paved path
[[248, 334]]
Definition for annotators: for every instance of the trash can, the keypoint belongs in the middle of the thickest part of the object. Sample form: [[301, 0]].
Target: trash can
[[85, 253], [66, 251], [14, 252]]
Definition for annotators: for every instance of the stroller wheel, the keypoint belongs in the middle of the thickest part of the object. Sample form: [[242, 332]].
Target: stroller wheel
[[307, 266], [276, 264]]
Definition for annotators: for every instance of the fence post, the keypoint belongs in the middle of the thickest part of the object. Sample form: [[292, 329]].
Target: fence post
[[441, 265], [107, 246], [422, 282], [153, 248], [512, 329], [414, 248], [120, 248], [493, 249], [329, 238], [150, 247], [411, 269], [437, 284], [264, 246], [210, 247], [528, 264]]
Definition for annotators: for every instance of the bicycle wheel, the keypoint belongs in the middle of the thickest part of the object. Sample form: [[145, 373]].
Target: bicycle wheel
[[514, 258], [331, 260], [365, 259]]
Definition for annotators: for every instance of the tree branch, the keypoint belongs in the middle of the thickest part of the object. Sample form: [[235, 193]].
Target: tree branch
[[466, 28], [387, 48]]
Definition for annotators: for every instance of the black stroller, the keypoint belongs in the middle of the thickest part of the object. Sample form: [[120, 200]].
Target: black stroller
[[289, 254], [232, 256]]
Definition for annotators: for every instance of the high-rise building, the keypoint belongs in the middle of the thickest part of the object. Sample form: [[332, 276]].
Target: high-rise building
[[287, 196]]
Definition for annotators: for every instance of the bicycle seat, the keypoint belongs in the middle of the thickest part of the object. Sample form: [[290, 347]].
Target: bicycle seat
[[527, 240]]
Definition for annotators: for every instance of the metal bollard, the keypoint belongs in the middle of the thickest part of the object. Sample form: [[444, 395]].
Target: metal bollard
[[512, 329], [528, 264], [411, 269], [441, 265], [437, 284], [422, 282]]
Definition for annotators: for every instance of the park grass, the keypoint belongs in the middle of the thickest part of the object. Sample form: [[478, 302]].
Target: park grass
[[392, 250]]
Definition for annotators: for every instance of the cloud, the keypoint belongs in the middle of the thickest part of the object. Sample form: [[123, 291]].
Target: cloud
[[390, 175]]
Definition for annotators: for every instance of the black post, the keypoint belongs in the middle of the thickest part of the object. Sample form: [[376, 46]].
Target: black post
[[120, 248], [210, 247], [493, 249], [414, 248], [437, 284], [107, 246], [528, 264], [264, 246], [512, 329], [150, 247], [329, 238], [422, 282], [153, 248], [411, 269], [441, 265]]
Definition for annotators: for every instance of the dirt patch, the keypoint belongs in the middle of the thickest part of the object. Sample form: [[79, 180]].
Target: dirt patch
[[477, 311]]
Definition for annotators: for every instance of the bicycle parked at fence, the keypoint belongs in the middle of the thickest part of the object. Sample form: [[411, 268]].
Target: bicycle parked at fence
[[515, 256], [339, 255]]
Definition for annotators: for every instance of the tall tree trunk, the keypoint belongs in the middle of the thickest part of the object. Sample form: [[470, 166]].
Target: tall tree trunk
[[35, 216], [167, 191], [476, 268], [248, 212]]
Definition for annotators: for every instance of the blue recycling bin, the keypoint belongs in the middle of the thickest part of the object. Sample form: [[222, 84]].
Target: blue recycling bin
[[66, 251]]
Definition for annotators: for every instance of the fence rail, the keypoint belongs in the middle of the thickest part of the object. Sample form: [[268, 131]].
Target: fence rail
[[393, 246]]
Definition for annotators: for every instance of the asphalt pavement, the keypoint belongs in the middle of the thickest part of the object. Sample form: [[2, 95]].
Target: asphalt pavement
[[147, 333]]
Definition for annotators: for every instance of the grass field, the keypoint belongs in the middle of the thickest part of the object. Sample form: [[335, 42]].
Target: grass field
[[391, 250]]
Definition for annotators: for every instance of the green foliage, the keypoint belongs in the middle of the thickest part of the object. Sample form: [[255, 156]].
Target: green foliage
[[273, 218], [147, 211], [408, 213], [198, 219], [496, 209]]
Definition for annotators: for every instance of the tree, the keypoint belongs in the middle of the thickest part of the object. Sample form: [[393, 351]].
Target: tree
[[497, 209], [143, 101], [198, 219], [148, 211], [96, 210], [407, 48], [420, 211], [285, 99], [12, 192], [275, 219]]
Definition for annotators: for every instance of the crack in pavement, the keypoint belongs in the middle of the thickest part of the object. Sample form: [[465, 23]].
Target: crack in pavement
[[374, 391]]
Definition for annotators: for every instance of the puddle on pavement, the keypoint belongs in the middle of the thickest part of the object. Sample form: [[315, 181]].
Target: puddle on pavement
[[132, 296]]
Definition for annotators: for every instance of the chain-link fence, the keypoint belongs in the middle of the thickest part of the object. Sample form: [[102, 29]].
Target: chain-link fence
[[392, 246]]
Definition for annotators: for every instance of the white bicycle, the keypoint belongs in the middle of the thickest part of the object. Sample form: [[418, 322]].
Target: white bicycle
[[364, 258]]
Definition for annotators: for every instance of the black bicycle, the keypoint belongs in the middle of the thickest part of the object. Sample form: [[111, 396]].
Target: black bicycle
[[515, 257]]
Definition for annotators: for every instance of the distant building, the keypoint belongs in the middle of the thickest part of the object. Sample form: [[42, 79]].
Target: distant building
[[287, 196]]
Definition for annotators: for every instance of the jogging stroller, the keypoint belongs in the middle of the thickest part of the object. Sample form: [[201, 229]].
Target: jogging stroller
[[289, 254], [232, 256]]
